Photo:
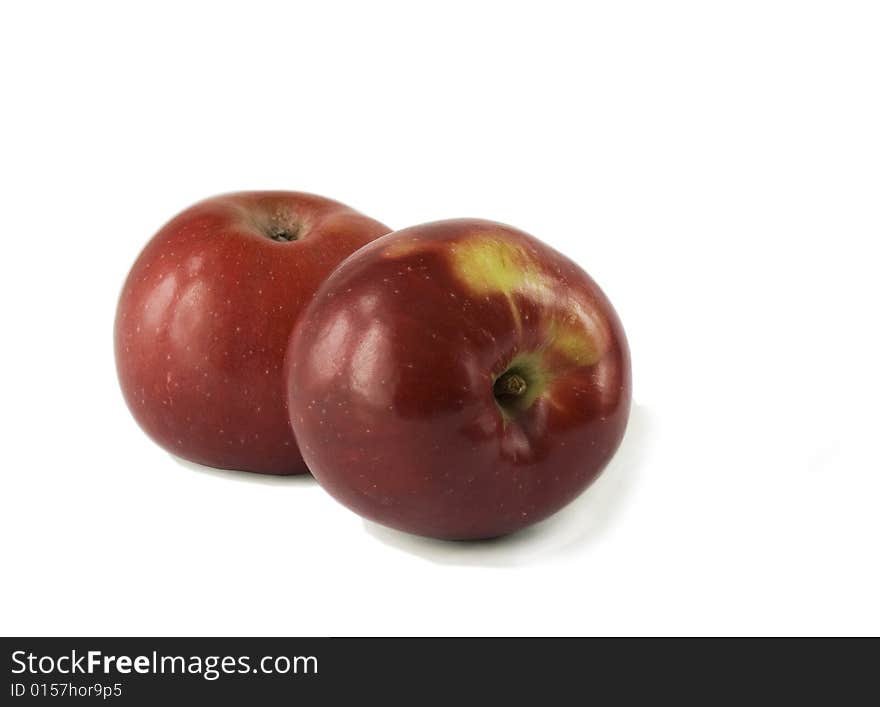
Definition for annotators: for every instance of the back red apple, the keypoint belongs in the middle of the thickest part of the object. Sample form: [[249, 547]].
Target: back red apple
[[205, 315]]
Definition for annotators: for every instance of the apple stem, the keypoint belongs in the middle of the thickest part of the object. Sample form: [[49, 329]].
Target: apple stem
[[283, 235], [510, 384]]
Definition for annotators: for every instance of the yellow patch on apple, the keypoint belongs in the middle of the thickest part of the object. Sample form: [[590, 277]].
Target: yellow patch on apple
[[574, 343], [491, 265], [402, 248]]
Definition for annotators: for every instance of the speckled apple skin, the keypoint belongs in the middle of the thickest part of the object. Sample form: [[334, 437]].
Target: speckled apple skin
[[205, 315], [391, 379]]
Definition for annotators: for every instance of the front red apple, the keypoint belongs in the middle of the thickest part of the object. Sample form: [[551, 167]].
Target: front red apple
[[458, 379], [205, 315]]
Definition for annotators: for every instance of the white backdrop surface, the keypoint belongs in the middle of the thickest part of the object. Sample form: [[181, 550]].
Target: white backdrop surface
[[714, 166]]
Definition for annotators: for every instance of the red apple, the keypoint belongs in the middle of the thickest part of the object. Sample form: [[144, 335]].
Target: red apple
[[205, 315], [459, 380]]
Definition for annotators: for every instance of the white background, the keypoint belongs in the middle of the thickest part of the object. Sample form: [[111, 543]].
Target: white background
[[715, 166]]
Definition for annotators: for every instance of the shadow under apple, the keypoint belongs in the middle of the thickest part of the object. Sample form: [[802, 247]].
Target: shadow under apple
[[247, 476]]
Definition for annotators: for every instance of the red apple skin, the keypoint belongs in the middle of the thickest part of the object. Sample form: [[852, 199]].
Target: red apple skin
[[397, 372], [205, 315]]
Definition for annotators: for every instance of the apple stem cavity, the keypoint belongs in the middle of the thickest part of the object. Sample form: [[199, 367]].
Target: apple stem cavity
[[509, 385], [282, 234]]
